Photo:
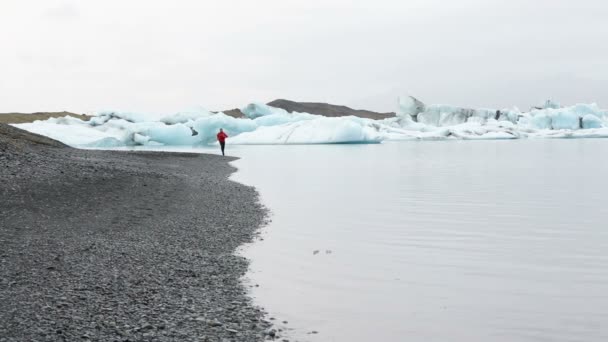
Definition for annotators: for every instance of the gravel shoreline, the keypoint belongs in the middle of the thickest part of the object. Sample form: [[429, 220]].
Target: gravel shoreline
[[122, 246]]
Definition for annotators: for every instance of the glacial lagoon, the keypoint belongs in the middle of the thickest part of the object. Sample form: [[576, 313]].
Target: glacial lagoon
[[433, 240]]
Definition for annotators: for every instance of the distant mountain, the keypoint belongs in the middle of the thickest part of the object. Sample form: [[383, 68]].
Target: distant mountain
[[235, 113], [15, 118], [327, 109]]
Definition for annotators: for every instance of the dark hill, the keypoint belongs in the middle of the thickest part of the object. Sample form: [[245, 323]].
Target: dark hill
[[327, 109], [235, 113], [15, 118]]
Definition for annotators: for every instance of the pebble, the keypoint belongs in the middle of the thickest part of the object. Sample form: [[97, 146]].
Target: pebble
[[215, 323], [95, 250]]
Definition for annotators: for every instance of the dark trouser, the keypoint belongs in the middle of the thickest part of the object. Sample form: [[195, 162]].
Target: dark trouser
[[222, 145]]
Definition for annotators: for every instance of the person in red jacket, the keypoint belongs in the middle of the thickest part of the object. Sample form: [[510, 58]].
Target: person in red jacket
[[221, 137]]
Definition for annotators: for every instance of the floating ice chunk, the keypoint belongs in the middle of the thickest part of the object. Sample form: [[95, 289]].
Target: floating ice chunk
[[256, 110], [555, 120], [207, 128], [493, 136], [140, 139], [105, 116], [283, 118], [591, 121], [570, 118], [73, 134], [443, 115], [564, 120], [66, 120], [550, 104], [160, 133], [184, 117], [410, 106], [591, 133], [321, 130], [108, 142]]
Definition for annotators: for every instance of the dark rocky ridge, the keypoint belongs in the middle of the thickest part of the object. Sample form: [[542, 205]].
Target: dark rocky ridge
[[324, 109], [327, 109], [122, 246], [235, 113], [14, 118]]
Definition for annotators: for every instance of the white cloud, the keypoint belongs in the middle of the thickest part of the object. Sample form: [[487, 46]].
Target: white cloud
[[165, 55]]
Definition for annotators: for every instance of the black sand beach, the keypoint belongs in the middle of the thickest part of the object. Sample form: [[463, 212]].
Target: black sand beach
[[122, 246]]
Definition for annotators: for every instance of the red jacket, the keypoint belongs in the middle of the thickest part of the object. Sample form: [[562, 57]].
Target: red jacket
[[221, 136]]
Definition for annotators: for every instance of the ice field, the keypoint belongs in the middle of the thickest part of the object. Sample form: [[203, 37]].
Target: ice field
[[267, 125]]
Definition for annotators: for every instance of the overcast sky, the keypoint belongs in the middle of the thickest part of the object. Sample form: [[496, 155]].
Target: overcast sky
[[165, 56]]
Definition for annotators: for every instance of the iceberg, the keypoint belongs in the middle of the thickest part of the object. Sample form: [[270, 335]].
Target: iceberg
[[320, 130], [580, 116], [115, 129], [446, 115], [256, 110], [410, 107], [207, 128], [550, 104], [186, 116], [265, 124]]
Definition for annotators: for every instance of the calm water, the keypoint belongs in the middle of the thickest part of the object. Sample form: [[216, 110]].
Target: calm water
[[433, 241]]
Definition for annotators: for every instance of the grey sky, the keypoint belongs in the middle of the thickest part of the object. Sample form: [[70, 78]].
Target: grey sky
[[164, 56]]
